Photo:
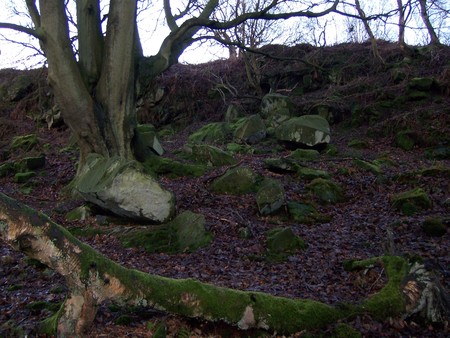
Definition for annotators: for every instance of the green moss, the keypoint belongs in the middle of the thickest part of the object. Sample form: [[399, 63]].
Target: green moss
[[240, 148], [345, 331], [6, 169], [327, 191], [236, 181], [24, 142], [304, 154], [123, 320], [213, 133], [210, 155], [434, 226], [24, 177], [311, 174], [172, 168], [49, 325], [281, 242], [306, 213], [14, 287], [411, 202], [372, 167], [438, 153], [406, 139], [359, 144], [43, 305], [389, 301]]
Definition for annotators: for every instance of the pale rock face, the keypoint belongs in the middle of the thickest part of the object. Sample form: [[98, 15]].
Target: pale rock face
[[308, 130], [122, 188]]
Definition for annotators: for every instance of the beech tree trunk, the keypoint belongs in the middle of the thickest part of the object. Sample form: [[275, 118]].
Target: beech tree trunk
[[93, 279], [434, 40]]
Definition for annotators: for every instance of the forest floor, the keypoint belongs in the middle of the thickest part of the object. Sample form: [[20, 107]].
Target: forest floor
[[365, 225], [357, 230]]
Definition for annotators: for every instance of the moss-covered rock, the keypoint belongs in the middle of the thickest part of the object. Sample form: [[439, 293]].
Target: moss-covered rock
[[306, 130], [276, 108], [435, 226], [240, 148], [233, 113], [304, 154], [30, 163], [185, 233], [369, 166], [438, 153], [211, 155], [326, 191], [236, 181], [345, 331], [6, 169], [212, 133], [146, 142], [19, 87], [407, 139], [411, 202], [270, 197], [78, 214], [281, 165], [358, 144], [421, 83], [306, 173], [281, 242], [306, 213], [24, 142], [172, 168], [249, 130], [24, 177]]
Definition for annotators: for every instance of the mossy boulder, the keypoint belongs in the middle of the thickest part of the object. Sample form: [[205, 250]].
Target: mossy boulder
[[236, 181], [368, 166], [304, 154], [146, 142], [306, 213], [212, 133], [240, 148], [270, 197], [304, 131], [233, 113], [281, 165], [24, 177], [435, 226], [19, 87], [122, 187], [185, 233], [326, 191], [276, 108], [211, 155], [407, 139], [249, 130], [80, 213], [24, 142], [311, 173], [358, 144], [282, 242], [412, 201], [30, 163], [345, 331], [171, 167]]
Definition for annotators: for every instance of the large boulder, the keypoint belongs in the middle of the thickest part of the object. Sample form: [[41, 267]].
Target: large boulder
[[122, 188], [270, 197], [146, 142], [276, 108], [411, 201], [236, 181], [212, 133], [304, 131], [210, 155], [249, 130], [19, 87]]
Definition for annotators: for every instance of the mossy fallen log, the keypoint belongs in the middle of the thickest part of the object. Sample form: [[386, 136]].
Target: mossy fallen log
[[92, 279]]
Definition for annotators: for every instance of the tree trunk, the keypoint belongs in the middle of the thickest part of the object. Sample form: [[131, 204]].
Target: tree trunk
[[93, 279], [401, 24], [434, 40]]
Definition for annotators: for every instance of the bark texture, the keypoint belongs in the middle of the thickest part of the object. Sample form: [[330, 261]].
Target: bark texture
[[93, 278]]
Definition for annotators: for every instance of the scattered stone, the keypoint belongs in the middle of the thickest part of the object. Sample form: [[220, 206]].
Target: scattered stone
[[276, 108], [19, 87], [434, 226], [233, 113], [30, 163], [6, 169], [24, 142], [236, 181], [407, 139], [326, 191], [306, 130], [211, 156], [212, 133], [281, 242], [249, 130], [358, 144], [281, 165], [121, 187], [146, 142], [369, 166], [172, 168], [80, 213], [270, 197], [311, 173], [306, 213], [190, 231], [304, 154], [24, 177], [421, 83], [240, 148], [438, 153], [411, 202]]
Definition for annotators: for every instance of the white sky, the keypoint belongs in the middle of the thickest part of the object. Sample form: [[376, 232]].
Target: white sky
[[152, 33]]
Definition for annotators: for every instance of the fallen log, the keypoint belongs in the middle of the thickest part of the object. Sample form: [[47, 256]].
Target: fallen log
[[93, 278]]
